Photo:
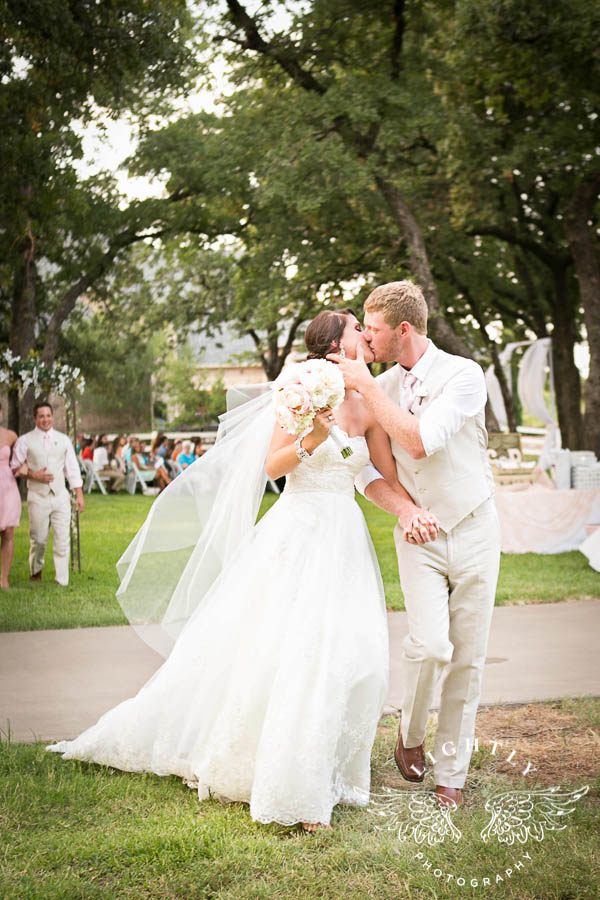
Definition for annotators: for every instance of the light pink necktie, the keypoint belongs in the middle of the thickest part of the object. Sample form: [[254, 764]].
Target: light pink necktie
[[407, 396]]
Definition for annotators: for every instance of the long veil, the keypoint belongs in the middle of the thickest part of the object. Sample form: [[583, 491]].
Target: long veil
[[197, 523]]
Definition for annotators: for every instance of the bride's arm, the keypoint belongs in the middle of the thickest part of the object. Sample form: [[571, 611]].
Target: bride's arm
[[282, 457], [390, 495]]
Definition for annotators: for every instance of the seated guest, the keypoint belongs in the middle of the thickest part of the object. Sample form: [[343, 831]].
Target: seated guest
[[160, 446], [115, 454], [100, 454], [172, 465], [128, 449], [102, 463], [198, 450], [159, 476], [176, 449], [186, 457], [89, 445], [144, 451]]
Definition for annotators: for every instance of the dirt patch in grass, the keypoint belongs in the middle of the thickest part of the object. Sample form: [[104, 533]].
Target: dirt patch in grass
[[561, 740]]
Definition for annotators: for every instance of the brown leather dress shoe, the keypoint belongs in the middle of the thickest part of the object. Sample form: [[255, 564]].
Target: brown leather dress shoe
[[36, 577], [446, 794], [410, 760]]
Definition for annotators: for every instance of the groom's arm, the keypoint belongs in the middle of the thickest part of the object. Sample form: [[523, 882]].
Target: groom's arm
[[463, 395]]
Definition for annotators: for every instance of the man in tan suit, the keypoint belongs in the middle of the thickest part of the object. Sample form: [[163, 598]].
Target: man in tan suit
[[44, 456], [432, 406]]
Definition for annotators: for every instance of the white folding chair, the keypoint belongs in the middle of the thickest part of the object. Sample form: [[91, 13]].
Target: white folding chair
[[93, 477]]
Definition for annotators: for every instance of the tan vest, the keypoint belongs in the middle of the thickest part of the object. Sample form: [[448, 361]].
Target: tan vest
[[457, 478], [53, 461]]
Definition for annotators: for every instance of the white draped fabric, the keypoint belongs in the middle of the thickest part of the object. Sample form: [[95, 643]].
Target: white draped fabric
[[532, 380], [493, 385], [542, 520], [533, 371]]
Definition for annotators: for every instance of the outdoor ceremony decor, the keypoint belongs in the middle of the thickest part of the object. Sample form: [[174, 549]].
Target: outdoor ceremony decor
[[534, 369]]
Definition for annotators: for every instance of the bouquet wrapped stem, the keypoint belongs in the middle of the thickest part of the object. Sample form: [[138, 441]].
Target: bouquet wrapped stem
[[340, 441]]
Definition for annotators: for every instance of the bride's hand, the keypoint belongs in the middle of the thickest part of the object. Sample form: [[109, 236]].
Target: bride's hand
[[322, 424]]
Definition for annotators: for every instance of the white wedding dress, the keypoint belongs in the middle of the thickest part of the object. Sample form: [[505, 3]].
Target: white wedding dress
[[272, 692]]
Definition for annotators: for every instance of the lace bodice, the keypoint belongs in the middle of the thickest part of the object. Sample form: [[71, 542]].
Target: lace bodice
[[327, 470]]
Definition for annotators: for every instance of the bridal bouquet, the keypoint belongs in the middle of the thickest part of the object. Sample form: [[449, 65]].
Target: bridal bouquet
[[302, 390]]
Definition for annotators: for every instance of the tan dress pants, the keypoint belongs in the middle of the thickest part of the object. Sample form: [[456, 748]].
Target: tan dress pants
[[449, 587], [46, 511]]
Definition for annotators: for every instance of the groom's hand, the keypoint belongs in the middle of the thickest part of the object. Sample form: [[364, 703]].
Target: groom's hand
[[355, 371], [420, 527]]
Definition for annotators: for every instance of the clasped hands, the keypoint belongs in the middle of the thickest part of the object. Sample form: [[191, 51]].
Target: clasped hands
[[419, 526]]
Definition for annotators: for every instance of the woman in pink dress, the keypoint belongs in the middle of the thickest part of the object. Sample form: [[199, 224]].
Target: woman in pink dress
[[10, 503]]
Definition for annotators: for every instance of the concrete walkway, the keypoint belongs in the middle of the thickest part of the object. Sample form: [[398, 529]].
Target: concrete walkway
[[54, 684]]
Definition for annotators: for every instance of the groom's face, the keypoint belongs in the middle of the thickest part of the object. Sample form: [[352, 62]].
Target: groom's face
[[385, 342]]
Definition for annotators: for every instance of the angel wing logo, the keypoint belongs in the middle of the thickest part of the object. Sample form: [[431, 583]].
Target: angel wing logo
[[519, 815], [414, 814]]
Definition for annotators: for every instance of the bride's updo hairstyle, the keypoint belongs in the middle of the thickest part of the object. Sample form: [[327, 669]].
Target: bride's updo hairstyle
[[324, 333]]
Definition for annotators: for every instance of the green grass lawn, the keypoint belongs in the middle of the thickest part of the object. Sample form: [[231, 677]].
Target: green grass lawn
[[75, 831], [109, 523]]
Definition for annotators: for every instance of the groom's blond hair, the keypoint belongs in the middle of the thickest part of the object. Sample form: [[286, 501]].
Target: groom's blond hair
[[399, 301]]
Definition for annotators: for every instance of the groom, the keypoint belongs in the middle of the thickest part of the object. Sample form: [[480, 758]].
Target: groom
[[432, 406]]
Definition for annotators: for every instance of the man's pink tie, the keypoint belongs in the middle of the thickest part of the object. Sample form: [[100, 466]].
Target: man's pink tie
[[407, 396]]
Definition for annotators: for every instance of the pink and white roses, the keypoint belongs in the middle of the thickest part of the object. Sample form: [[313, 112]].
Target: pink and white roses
[[302, 390]]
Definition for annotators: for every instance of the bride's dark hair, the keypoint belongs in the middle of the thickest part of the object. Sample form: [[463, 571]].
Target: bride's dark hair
[[325, 331]]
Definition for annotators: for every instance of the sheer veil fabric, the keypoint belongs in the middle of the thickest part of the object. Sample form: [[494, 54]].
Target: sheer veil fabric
[[197, 524]]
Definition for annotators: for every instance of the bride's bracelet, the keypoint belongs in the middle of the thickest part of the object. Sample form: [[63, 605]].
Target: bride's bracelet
[[301, 453]]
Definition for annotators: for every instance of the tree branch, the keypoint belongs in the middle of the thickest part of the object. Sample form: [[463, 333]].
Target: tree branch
[[255, 41], [553, 259], [70, 297]]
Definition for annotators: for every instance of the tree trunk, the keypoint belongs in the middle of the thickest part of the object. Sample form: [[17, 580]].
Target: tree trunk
[[567, 383], [439, 328], [582, 242], [22, 329]]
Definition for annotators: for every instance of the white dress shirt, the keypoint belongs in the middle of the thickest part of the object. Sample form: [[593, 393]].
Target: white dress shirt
[[101, 458], [71, 465], [463, 396]]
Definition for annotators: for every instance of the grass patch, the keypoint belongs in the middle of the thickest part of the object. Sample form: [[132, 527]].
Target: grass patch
[[109, 523], [71, 830]]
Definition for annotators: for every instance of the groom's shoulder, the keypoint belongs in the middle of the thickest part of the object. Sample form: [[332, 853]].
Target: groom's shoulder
[[62, 437], [455, 363]]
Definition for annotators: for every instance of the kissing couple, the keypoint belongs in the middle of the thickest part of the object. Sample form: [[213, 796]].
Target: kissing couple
[[275, 633]]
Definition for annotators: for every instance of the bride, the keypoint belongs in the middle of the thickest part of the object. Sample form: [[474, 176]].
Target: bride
[[278, 671]]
